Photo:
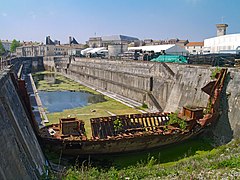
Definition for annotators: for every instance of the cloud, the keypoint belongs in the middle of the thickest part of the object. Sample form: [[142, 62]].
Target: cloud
[[4, 14]]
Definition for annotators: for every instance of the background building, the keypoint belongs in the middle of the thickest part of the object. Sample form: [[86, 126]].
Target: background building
[[195, 47], [222, 43], [31, 51], [51, 48], [104, 41], [148, 42], [94, 42]]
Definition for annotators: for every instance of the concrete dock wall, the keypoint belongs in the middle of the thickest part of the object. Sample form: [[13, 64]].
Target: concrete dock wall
[[20, 154]]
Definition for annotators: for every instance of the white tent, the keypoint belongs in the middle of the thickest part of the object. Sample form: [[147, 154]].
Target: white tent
[[96, 50], [84, 51], [168, 48]]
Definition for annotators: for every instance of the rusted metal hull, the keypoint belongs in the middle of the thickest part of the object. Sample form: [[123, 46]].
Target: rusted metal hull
[[114, 146]]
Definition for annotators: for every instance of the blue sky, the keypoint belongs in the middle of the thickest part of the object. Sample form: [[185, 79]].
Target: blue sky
[[157, 19]]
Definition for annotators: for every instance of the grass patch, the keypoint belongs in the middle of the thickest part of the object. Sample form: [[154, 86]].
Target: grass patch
[[198, 166]]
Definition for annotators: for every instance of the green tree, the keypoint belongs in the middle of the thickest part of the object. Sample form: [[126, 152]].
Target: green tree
[[14, 45], [2, 50]]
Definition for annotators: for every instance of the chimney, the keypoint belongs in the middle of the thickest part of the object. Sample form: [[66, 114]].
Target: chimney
[[47, 39], [221, 29], [70, 40]]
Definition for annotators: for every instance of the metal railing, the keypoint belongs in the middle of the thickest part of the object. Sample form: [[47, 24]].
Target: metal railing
[[3, 63]]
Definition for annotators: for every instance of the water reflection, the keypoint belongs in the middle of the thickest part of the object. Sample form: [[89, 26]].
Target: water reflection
[[57, 101]]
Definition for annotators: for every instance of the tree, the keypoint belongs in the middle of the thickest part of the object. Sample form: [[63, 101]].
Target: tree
[[14, 45], [2, 50]]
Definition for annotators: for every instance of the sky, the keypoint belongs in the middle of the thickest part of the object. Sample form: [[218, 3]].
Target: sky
[[195, 20]]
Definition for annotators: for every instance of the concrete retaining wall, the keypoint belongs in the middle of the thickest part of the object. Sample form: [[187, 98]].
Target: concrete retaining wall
[[20, 154]]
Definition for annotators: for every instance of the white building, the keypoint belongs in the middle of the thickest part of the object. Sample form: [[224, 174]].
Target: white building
[[222, 43], [168, 49], [195, 47]]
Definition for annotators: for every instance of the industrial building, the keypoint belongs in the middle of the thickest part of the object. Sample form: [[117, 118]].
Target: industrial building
[[104, 41], [223, 43]]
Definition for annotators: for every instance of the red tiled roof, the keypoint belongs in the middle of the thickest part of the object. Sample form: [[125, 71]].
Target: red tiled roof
[[195, 44]]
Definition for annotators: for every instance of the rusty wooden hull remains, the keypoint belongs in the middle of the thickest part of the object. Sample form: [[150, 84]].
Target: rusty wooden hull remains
[[122, 142]]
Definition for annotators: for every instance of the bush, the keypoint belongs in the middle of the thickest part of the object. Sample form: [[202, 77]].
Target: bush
[[173, 118], [117, 125], [214, 72], [145, 106]]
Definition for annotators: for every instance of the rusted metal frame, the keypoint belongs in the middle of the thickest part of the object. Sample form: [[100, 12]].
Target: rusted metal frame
[[216, 91], [111, 126]]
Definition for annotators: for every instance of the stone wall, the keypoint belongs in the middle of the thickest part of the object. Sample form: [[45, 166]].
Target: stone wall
[[173, 86], [20, 154]]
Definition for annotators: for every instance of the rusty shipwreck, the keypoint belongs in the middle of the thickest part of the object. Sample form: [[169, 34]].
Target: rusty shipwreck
[[135, 132]]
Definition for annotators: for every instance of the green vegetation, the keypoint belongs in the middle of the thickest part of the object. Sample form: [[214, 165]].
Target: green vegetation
[[219, 163], [144, 106], [2, 50], [117, 125], [214, 72], [14, 45], [60, 83], [173, 118]]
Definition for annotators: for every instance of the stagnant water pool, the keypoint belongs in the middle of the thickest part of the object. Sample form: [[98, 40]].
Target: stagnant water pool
[[57, 101]]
